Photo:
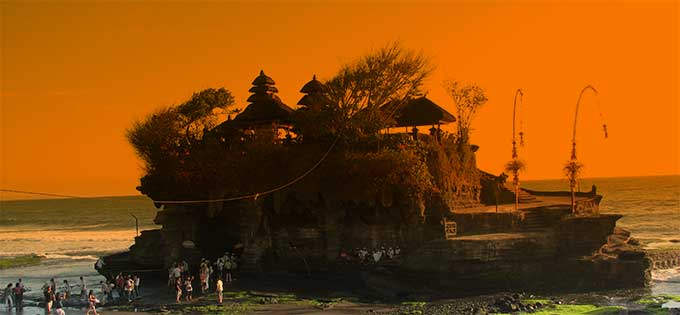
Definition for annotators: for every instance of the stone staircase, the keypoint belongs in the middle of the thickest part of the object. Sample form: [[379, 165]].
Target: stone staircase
[[524, 197], [534, 220]]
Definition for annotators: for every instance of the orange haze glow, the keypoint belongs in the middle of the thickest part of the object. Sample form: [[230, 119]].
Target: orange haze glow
[[75, 75]]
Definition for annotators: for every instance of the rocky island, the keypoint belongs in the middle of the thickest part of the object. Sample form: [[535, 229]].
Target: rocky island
[[346, 185]]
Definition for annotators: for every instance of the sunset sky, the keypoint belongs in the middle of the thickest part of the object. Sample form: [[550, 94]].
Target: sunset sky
[[76, 75]]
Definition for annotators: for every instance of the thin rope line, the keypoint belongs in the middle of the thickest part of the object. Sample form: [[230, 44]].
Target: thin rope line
[[107, 198], [40, 193], [255, 195]]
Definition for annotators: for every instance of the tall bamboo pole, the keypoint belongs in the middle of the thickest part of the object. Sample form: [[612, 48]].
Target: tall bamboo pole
[[573, 160], [515, 172]]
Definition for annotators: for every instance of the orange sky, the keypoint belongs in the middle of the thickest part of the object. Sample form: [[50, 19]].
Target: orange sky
[[75, 75]]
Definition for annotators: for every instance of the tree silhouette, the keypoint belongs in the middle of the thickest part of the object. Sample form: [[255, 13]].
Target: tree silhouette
[[389, 74], [170, 132], [200, 113], [468, 98]]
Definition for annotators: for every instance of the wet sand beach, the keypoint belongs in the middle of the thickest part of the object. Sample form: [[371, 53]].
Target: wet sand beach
[[279, 297]]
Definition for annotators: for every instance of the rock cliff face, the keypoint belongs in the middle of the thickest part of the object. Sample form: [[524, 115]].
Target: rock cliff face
[[279, 229], [543, 247], [557, 257]]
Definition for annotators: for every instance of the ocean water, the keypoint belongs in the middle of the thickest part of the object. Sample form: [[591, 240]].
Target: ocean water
[[72, 228], [72, 233]]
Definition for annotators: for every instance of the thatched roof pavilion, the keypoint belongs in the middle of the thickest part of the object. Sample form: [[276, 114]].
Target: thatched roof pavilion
[[419, 111]]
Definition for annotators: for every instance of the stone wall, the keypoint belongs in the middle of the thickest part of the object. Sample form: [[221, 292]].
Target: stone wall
[[482, 223], [553, 258]]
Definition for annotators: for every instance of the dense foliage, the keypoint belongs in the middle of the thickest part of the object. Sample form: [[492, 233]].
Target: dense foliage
[[357, 92], [162, 138], [187, 159], [400, 172]]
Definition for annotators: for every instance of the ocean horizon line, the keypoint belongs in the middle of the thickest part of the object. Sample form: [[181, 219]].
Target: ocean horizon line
[[604, 177]]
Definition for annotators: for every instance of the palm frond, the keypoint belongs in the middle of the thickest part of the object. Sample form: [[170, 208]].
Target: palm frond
[[515, 165], [573, 169]]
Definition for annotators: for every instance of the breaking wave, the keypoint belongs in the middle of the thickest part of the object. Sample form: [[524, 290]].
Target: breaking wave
[[64, 244]]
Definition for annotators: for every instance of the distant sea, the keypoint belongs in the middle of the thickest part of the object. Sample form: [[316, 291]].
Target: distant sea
[[72, 227], [72, 233]]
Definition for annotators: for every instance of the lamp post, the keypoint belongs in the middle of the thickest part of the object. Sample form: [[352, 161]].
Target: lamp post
[[136, 224], [573, 166]]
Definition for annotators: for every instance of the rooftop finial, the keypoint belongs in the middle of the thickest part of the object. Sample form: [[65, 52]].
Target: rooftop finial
[[314, 77], [261, 72]]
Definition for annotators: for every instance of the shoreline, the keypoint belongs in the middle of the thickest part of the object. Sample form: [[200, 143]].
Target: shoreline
[[239, 302], [266, 295], [45, 241], [75, 229]]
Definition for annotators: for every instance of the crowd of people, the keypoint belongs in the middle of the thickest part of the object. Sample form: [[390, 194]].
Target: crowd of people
[[366, 257], [210, 275], [125, 287], [55, 296]]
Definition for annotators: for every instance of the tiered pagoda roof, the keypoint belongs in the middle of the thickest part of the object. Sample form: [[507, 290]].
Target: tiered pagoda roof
[[265, 106], [315, 94]]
